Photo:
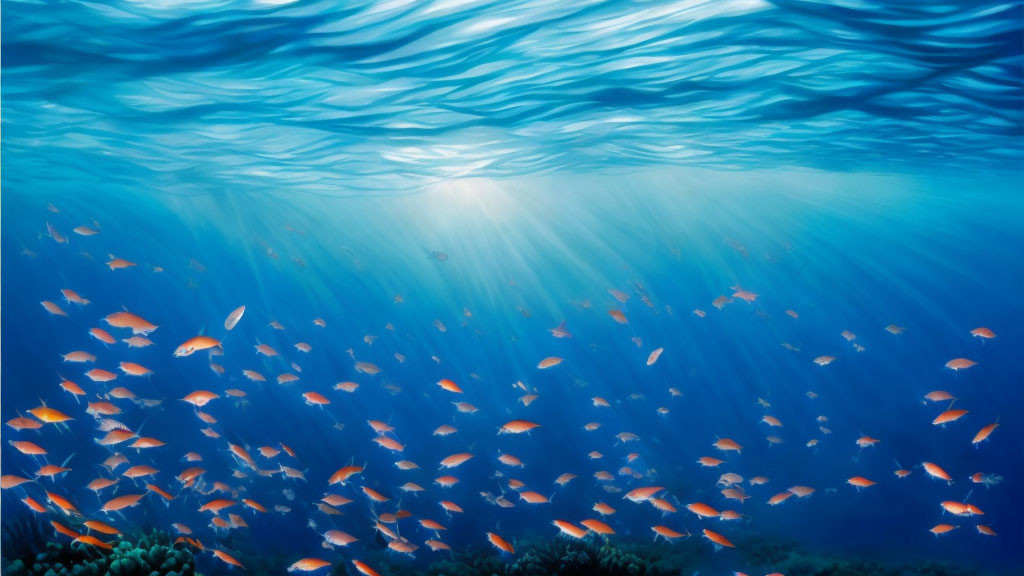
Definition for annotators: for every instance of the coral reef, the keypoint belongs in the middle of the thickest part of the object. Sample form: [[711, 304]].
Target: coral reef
[[791, 560], [144, 555], [562, 557]]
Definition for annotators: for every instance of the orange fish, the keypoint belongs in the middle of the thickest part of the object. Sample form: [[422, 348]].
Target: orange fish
[[984, 433], [49, 415], [598, 527], [254, 376], [79, 356], [121, 502], [983, 333], [133, 369], [28, 448], [958, 364], [517, 427], [343, 474], [308, 565], [570, 529], [63, 503], [224, 556], [254, 505], [139, 325], [166, 495], [374, 495], [549, 362], [11, 480], [726, 444], [315, 398], [23, 423], [455, 460], [642, 494], [102, 335], [449, 386], [195, 344], [654, 356], [667, 533], [35, 506], [500, 543], [860, 482], [949, 416], [53, 308], [718, 538], [51, 470], [200, 398], [703, 510], [364, 569], [936, 472], [101, 527], [216, 506], [939, 396], [116, 263]]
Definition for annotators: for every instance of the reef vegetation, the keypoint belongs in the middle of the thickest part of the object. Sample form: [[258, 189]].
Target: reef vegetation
[[29, 550], [594, 557]]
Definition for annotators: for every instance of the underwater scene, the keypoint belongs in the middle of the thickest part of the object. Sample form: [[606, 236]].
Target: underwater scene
[[517, 288]]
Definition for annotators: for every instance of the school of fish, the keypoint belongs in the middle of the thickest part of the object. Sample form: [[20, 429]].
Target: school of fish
[[96, 380]]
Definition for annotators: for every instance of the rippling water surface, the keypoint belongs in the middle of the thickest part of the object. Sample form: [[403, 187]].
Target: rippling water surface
[[343, 98]]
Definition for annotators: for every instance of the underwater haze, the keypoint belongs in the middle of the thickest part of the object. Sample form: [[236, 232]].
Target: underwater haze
[[515, 288]]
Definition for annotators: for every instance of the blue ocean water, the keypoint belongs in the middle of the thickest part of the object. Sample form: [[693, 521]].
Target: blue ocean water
[[443, 184]]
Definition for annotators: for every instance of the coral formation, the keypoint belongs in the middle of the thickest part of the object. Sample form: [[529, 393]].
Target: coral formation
[[145, 555], [791, 560], [562, 557]]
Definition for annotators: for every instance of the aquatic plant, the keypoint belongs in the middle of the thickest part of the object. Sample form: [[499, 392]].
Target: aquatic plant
[[150, 554]]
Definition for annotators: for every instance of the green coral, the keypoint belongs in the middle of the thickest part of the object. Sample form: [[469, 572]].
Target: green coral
[[148, 554]]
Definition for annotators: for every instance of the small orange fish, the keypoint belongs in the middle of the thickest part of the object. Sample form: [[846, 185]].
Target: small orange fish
[[570, 529], [667, 533], [225, 557], [949, 416], [517, 427], [455, 460], [194, 345], [958, 364], [49, 415], [121, 502], [449, 386], [53, 309], [936, 472], [364, 569], [984, 333], [860, 482], [718, 538], [500, 543], [549, 362], [984, 433]]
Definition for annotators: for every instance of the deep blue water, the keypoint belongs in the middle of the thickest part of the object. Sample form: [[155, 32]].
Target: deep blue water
[[857, 163]]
